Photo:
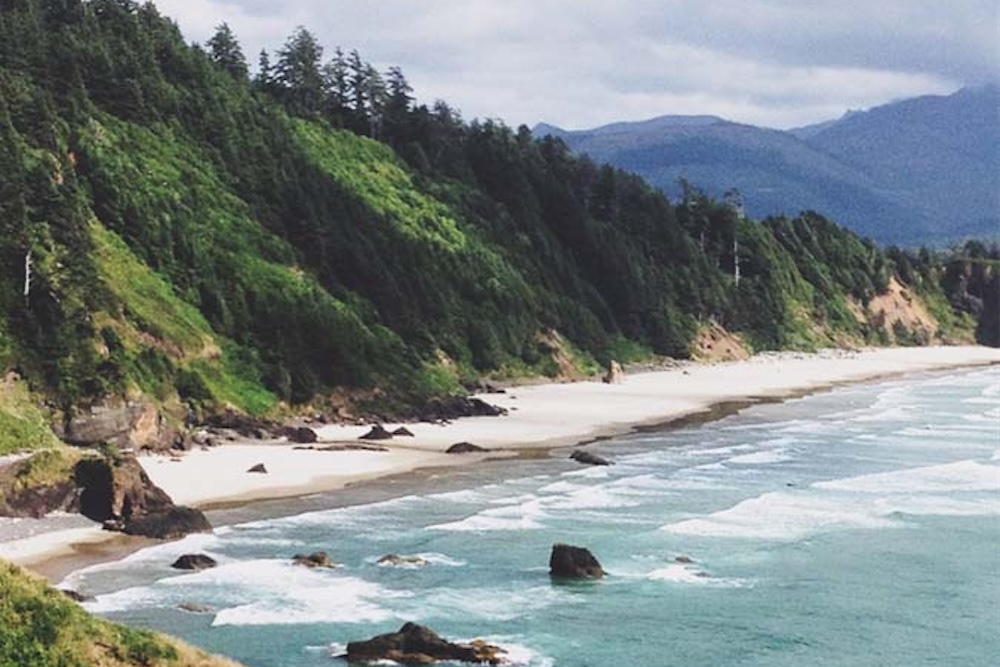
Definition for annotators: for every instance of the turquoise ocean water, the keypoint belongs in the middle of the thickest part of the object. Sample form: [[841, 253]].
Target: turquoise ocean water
[[855, 527]]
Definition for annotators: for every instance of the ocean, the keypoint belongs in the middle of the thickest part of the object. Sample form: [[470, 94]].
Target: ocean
[[855, 527]]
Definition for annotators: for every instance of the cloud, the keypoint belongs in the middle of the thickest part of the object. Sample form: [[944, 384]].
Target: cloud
[[579, 63]]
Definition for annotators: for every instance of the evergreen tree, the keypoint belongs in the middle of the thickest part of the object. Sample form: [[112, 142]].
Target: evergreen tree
[[298, 72], [225, 52]]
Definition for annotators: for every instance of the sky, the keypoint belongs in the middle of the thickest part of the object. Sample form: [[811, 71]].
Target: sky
[[582, 63]]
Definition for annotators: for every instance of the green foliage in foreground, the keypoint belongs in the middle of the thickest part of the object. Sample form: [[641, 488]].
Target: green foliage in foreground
[[41, 627]]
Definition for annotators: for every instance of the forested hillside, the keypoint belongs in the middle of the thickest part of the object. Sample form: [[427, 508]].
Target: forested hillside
[[173, 228]]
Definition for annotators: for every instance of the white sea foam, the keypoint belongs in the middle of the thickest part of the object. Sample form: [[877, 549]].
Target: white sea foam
[[486, 604], [780, 516], [958, 476], [277, 593], [518, 517], [761, 458], [561, 487], [680, 573]]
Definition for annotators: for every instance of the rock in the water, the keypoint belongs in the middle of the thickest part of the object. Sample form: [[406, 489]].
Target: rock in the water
[[465, 448], [615, 374], [377, 432], [402, 561], [315, 559], [589, 458], [403, 431], [170, 524], [258, 468], [194, 562], [569, 562], [418, 645], [194, 608], [76, 597], [302, 435], [683, 560]]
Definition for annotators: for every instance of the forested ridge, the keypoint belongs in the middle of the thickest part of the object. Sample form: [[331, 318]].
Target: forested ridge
[[174, 227]]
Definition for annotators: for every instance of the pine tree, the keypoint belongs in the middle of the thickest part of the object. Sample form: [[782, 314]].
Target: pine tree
[[298, 72], [225, 52]]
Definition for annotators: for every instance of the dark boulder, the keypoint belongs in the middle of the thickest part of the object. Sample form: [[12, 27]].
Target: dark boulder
[[194, 562], [403, 431], [453, 407], [568, 562], [377, 432], [418, 645], [170, 524], [244, 425], [589, 458], [465, 448], [302, 435], [194, 608], [315, 559], [258, 468]]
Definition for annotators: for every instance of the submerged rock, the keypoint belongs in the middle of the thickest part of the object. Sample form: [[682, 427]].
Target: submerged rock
[[589, 458], [194, 562], [415, 644], [569, 562], [194, 608], [315, 559], [402, 561]]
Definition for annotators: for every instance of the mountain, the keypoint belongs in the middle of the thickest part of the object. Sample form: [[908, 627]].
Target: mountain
[[917, 171]]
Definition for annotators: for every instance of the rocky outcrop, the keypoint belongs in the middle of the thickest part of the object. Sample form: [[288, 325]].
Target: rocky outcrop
[[464, 448], [403, 431], [244, 425], [415, 644], [116, 491], [194, 608], [453, 407], [194, 562], [135, 424], [569, 562], [170, 524], [75, 596], [589, 458], [377, 432], [615, 374], [315, 559], [259, 468]]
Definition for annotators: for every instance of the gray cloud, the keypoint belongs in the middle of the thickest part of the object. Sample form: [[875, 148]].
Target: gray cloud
[[581, 63]]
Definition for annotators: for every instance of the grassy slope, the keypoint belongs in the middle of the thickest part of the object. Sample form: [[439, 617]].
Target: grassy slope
[[41, 627], [23, 425]]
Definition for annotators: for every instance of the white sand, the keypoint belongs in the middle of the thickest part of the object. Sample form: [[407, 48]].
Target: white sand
[[540, 416], [49, 544]]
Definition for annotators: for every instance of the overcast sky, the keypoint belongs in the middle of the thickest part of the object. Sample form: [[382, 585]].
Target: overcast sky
[[582, 63]]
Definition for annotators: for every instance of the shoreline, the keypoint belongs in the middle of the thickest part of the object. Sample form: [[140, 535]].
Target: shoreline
[[541, 418]]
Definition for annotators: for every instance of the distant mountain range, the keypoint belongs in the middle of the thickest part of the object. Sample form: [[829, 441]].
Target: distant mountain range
[[919, 171]]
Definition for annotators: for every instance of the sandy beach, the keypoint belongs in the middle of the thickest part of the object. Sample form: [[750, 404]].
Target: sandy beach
[[539, 417]]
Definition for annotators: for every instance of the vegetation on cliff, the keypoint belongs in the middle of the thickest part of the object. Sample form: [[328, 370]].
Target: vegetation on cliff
[[172, 228], [41, 627]]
